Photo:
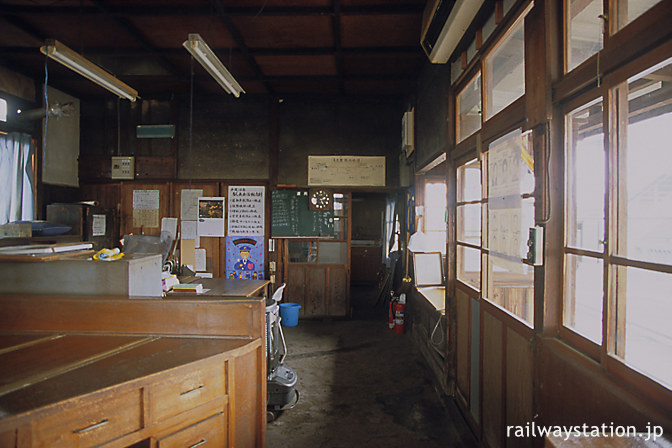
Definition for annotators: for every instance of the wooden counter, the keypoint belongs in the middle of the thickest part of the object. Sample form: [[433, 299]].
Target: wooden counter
[[83, 371], [113, 391], [226, 287]]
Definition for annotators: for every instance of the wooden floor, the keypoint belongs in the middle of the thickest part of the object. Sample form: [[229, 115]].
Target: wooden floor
[[361, 385]]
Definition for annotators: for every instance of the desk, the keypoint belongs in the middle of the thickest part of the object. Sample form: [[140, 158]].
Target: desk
[[226, 287], [114, 390], [78, 353]]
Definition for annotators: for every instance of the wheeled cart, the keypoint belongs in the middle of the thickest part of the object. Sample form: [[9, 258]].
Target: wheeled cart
[[281, 379]]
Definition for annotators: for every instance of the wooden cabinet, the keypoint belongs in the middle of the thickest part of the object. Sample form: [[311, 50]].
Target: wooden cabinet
[[156, 389], [90, 372]]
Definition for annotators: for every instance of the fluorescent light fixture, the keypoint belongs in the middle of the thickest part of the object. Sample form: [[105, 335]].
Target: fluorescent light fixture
[[205, 56], [78, 63]]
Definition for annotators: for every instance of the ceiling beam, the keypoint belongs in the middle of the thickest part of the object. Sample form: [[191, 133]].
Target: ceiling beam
[[132, 31], [338, 48], [240, 42], [133, 11], [295, 51]]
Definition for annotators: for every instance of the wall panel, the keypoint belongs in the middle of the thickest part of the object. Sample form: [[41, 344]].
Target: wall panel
[[519, 385], [493, 377], [463, 343]]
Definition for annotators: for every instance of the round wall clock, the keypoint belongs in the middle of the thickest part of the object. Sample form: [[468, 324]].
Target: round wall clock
[[320, 199]]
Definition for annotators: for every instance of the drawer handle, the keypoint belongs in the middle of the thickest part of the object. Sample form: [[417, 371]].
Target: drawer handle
[[202, 442], [91, 427], [192, 390]]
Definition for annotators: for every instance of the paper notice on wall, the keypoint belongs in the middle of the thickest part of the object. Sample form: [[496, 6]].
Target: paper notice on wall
[[246, 210], [169, 225], [145, 208], [189, 204], [99, 225], [146, 199], [145, 218], [199, 260], [504, 206], [346, 170], [245, 257], [211, 216], [189, 231]]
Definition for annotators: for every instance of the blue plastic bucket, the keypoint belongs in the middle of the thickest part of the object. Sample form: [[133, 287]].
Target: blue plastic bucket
[[289, 314]]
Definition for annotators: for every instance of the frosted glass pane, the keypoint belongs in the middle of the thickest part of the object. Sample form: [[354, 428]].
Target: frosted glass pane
[[505, 69], [469, 109], [583, 293], [648, 333], [647, 185], [584, 31], [585, 178]]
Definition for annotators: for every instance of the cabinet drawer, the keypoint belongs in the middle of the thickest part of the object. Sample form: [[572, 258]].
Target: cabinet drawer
[[84, 423], [211, 432], [183, 392]]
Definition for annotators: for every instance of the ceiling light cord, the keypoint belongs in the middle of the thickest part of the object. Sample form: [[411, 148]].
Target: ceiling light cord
[[46, 109], [191, 118]]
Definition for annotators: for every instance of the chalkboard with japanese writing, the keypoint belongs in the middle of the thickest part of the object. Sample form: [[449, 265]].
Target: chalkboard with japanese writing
[[291, 217]]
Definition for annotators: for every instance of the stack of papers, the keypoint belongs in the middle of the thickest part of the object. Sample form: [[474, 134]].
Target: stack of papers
[[188, 287]]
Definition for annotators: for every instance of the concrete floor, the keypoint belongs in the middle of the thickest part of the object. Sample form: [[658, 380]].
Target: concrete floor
[[361, 385]]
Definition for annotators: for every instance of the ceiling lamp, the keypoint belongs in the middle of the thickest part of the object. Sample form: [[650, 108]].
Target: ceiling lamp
[[204, 55], [78, 63]]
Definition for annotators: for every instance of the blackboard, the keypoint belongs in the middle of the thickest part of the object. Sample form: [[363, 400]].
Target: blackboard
[[292, 217]]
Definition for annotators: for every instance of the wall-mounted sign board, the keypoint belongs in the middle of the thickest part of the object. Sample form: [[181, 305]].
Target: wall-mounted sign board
[[291, 217], [346, 171]]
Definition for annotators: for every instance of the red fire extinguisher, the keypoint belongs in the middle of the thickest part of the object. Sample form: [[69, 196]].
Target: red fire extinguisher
[[391, 311], [399, 315]]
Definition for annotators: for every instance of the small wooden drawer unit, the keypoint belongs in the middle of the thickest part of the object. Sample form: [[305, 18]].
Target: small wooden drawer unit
[[188, 390]]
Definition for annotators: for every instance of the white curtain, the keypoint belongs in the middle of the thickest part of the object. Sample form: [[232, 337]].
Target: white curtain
[[16, 178]]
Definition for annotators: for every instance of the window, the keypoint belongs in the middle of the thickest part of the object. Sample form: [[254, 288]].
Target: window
[[469, 210], [435, 215], [17, 162], [585, 213], [510, 213], [504, 70], [618, 242], [583, 31], [629, 10], [321, 251], [644, 214], [469, 109]]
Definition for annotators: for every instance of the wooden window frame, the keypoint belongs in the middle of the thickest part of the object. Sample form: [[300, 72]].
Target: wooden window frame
[[607, 353], [518, 21]]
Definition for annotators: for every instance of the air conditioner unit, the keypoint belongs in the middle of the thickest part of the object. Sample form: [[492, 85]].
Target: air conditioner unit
[[444, 22], [407, 132]]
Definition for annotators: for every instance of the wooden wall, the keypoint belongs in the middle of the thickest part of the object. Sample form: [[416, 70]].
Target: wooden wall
[[251, 138], [431, 112]]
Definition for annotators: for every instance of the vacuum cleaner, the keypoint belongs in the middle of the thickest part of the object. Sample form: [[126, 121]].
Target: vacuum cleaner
[[281, 379]]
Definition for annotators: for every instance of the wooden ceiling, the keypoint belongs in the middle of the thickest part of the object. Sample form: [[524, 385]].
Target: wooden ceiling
[[272, 47]]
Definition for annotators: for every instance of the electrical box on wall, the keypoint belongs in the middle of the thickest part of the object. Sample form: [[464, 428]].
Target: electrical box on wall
[[408, 132], [535, 244], [123, 167]]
